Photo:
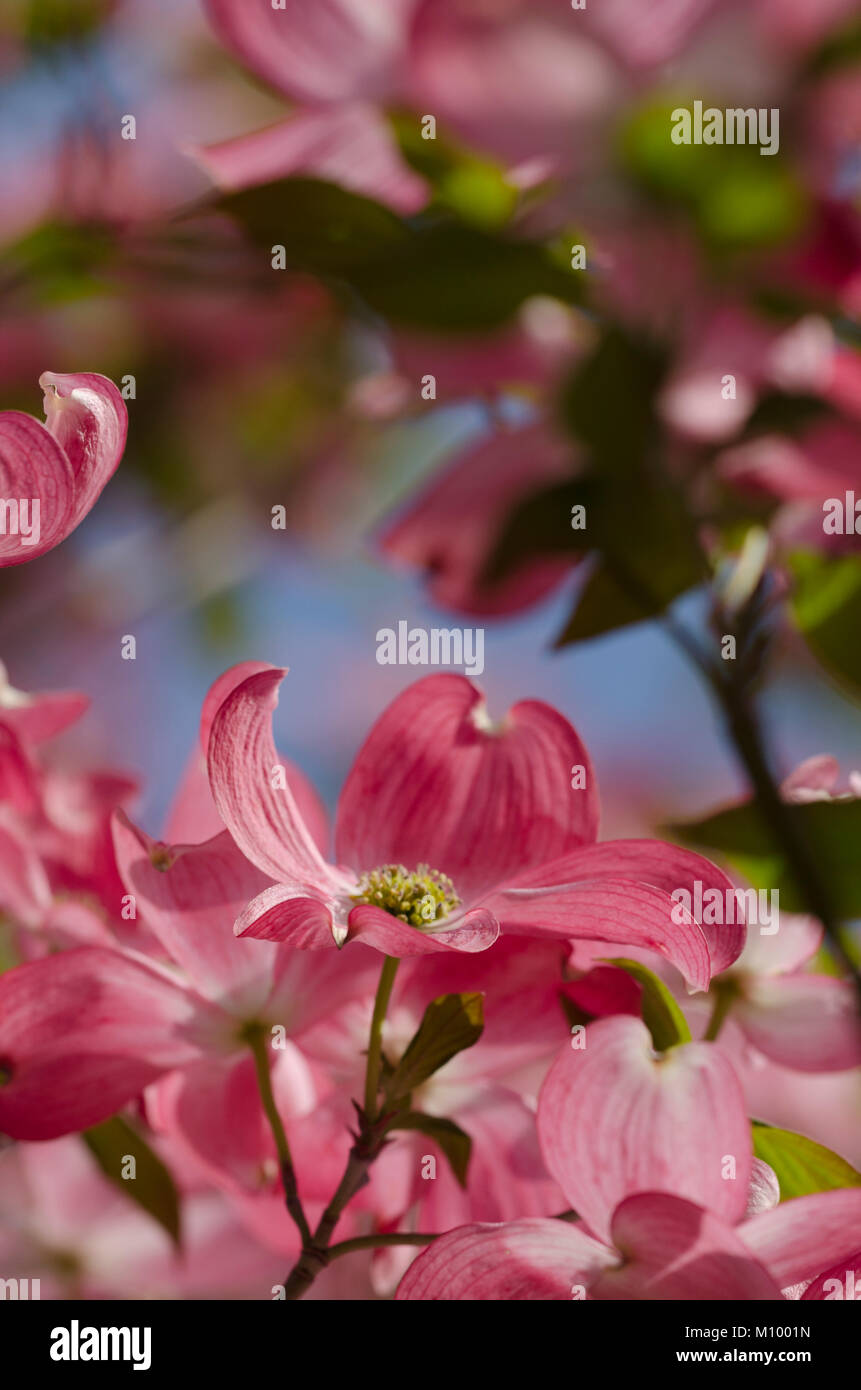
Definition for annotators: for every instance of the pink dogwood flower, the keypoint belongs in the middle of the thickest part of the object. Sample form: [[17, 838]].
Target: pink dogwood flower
[[654, 1153], [53, 473], [449, 830]]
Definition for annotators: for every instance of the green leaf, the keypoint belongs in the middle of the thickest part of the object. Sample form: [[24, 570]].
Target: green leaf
[[435, 273], [826, 604], [454, 1142], [661, 1014], [802, 1166], [323, 228], [152, 1187], [450, 1024], [830, 829]]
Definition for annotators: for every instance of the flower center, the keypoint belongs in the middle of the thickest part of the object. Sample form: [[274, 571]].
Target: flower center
[[420, 898]]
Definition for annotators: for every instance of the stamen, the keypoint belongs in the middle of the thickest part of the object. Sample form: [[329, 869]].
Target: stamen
[[420, 898]]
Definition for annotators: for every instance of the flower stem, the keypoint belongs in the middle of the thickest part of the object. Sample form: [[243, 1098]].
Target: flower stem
[[346, 1247], [725, 993], [257, 1042], [375, 1042]]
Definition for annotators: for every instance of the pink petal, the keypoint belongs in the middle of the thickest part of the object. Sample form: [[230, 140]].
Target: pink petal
[[532, 1259], [283, 913], [265, 821], [820, 773], [613, 1120], [645, 37], [475, 931], [801, 1238], [189, 897], [193, 816], [331, 51], [805, 1022], [81, 1034], [847, 1273], [87, 416], [449, 531], [33, 470], [615, 910], [434, 784], [25, 892], [784, 951], [676, 1251], [663, 866], [352, 146], [36, 718]]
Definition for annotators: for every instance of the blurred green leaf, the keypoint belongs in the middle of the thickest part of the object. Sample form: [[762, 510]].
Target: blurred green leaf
[[830, 829], [476, 190], [59, 21], [736, 196], [801, 1165], [826, 605], [454, 1142], [661, 1014], [152, 1187], [450, 1024], [434, 274]]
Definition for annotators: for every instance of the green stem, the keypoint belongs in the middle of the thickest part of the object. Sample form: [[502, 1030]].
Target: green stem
[[257, 1042], [375, 1042], [724, 996]]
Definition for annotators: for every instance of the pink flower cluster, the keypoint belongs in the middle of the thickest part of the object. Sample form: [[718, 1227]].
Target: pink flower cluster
[[157, 973]]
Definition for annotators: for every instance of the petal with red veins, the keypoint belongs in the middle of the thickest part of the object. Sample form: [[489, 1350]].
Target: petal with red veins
[[283, 913], [81, 1034], [663, 866], [87, 416], [618, 910], [676, 1251], [533, 1259], [34, 470], [614, 1119], [472, 932], [264, 820], [840, 1281], [434, 784]]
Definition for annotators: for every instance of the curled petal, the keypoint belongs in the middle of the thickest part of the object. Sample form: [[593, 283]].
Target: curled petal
[[614, 1119], [474, 931], [264, 819], [284, 913], [87, 416]]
